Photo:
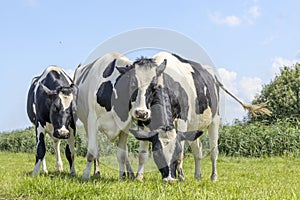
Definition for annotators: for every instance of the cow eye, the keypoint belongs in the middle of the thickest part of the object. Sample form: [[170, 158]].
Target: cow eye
[[55, 108]]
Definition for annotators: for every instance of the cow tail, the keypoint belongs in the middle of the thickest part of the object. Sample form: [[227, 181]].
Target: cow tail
[[256, 109]]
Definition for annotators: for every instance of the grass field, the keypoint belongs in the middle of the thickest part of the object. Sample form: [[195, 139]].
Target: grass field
[[239, 178]]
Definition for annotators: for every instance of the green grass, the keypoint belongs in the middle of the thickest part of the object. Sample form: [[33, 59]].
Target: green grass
[[239, 178]]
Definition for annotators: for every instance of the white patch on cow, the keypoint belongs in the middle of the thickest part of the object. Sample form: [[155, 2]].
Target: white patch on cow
[[205, 118], [205, 88], [143, 83], [34, 109], [181, 73], [49, 128], [115, 93], [65, 100], [40, 130], [63, 129], [168, 141]]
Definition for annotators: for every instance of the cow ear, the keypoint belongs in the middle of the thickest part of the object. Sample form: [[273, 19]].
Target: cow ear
[[74, 88], [190, 135], [160, 69], [47, 90], [123, 70], [142, 135]]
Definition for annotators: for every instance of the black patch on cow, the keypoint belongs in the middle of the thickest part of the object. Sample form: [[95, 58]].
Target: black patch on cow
[[117, 96], [205, 85], [41, 148], [53, 81], [124, 93], [104, 95], [159, 159], [30, 100], [109, 69], [178, 97], [69, 155]]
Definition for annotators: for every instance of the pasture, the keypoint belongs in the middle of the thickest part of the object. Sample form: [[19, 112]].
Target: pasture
[[239, 178]]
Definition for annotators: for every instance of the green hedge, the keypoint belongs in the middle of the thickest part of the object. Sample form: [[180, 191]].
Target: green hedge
[[261, 139], [257, 139]]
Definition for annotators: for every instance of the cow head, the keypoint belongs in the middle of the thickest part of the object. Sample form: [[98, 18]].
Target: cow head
[[165, 140], [62, 109], [148, 75], [166, 147]]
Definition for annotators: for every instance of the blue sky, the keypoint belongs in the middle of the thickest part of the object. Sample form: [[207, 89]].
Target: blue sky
[[247, 40]]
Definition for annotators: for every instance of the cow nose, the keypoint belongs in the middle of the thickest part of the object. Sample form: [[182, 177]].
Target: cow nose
[[63, 132], [141, 114]]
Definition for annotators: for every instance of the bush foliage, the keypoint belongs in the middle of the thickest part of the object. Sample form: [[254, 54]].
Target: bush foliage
[[256, 139], [282, 94]]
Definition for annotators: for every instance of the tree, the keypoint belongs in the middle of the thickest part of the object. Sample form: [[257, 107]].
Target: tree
[[282, 94]]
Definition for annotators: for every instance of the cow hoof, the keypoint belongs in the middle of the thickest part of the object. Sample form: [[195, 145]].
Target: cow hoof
[[139, 177], [59, 169], [85, 177], [45, 172], [198, 177], [130, 175], [73, 174], [97, 175], [169, 180], [181, 178], [214, 177], [172, 181], [35, 173]]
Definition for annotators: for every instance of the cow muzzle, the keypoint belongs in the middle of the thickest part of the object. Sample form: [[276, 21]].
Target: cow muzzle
[[142, 115], [61, 134]]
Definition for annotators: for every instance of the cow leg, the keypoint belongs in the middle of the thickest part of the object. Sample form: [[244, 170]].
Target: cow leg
[[129, 170], [196, 147], [92, 150], [213, 134], [59, 164], [40, 150], [70, 152], [181, 125], [180, 163], [122, 155], [96, 168], [143, 157]]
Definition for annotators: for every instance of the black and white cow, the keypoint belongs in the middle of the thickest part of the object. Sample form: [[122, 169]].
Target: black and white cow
[[106, 89], [103, 105], [51, 107], [166, 141], [194, 94]]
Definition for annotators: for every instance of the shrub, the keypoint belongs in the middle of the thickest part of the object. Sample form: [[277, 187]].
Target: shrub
[[259, 139], [256, 139]]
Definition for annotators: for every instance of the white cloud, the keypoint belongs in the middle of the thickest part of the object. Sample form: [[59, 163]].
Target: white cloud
[[244, 88], [254, 12], [228, 79], [227, 20], [279, 62], [248, 16], [249, 87]]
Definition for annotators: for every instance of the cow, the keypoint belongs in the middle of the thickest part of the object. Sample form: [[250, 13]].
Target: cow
[[166, 141], [103, 105], [51, 107], [193, 90]]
